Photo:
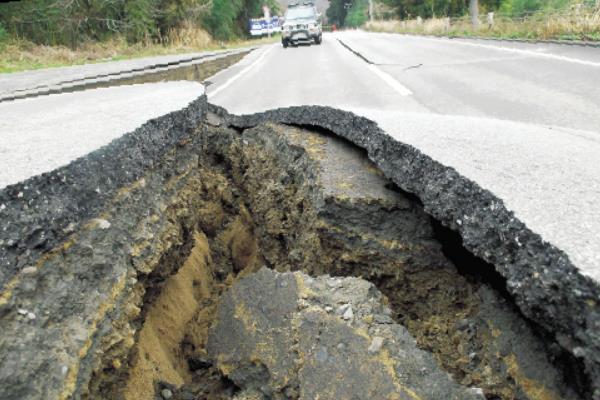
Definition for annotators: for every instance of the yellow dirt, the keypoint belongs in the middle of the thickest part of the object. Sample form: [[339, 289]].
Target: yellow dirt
[[532, 388], [158, 354]]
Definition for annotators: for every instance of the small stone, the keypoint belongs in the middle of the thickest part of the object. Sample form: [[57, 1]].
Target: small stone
[[342, 309], [70, 228], [477, 391], [166, 394], [101, 223], [29, 270], [348, 314], [376, 345], [2, 207], [341, 346], [578, 352], [329, 309], [31, 316], [20, 195], [22, 311]]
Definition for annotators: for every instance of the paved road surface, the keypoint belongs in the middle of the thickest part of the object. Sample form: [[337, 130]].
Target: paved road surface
[[43, 133], [522, 120], [534, 83]]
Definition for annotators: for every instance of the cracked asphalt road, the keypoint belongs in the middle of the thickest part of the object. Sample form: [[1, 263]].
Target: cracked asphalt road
[[519, 119]]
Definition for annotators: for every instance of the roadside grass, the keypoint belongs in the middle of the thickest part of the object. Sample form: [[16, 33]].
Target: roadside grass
[[565, 25], [21, 55]]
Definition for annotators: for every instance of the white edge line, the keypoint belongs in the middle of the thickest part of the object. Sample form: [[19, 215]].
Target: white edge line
[[512, 50], [393, 83], [239, 74]]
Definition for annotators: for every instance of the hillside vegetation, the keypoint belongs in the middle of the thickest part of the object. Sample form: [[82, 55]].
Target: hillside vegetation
[[531, 19], [43, 33]]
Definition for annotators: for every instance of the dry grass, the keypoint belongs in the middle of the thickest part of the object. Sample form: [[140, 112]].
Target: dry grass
[[21, 55], [573, 24]]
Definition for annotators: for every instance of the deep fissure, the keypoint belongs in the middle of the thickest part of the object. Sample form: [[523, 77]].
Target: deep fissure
[[274, 196]]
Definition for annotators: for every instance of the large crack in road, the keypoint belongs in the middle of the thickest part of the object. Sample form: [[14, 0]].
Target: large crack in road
[[158, 281]]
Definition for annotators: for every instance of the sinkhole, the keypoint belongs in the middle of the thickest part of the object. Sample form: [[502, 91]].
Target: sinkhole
[[292, 268]]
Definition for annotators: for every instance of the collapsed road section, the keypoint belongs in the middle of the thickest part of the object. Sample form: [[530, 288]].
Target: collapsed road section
[[287, 255], [191, 67]]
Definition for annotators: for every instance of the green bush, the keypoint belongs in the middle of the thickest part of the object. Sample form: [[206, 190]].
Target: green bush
[[358, 14], [140, 22], [3, 34]]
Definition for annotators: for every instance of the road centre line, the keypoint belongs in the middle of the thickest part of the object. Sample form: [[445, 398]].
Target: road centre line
[[241, 73], [387, 78]]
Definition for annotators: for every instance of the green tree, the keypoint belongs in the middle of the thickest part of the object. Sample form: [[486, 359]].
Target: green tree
[[358, 14], [221, 20], [70, 22], [140, 19], [336, 13], [3, 34]]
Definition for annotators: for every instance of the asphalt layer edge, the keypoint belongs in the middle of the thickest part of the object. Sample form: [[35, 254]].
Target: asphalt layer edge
[[40, 212], [544, 283]]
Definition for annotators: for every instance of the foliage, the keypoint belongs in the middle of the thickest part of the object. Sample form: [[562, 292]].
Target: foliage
[[523, 7], [140, 19], [407, 9], [3, 34], [358, 14], [336, 13], [72, 23], [436, 8]]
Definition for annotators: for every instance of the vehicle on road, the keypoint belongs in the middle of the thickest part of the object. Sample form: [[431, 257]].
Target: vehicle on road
[[302, 24]]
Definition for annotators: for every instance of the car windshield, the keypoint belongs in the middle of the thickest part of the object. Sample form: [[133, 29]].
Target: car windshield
[[300, 13]]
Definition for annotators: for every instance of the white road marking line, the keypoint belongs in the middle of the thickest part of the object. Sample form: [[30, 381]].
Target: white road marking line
[[239, 74], [519, 51], [393, 83]]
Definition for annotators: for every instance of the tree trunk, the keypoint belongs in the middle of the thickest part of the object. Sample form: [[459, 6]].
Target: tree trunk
[[474, 11]]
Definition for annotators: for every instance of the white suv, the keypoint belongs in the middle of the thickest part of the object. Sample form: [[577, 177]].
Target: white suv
[[302, 24]]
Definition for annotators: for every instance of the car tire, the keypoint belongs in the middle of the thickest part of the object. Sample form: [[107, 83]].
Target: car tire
[[285, 44], [318, 40]]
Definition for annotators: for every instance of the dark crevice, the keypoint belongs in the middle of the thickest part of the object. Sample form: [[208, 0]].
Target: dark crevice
[[410, 196], [479, 272], [467, 264]]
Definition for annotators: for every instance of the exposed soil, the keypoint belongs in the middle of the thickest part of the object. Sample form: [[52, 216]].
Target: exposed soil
[[281, 197], [130, 294]]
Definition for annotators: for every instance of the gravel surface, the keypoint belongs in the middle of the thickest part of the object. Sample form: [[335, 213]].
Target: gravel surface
[[44, 133]]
